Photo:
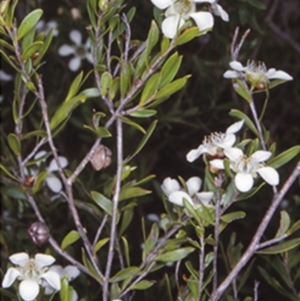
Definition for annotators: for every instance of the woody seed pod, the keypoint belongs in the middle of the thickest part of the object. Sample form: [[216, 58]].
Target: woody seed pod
[[39, 233], [101, 158]]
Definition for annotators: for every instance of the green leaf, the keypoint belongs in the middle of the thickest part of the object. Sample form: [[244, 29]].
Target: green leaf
[[284, 157], [152, 239], [258, 4], [143, 113], [127, 217], [281, 247], [242, 90], [285, 222], [10, 12], [142, 285], [105, 82], [124, 274], [29, 22], [174, 255], [132, 123], [114, 88], [126, 250], [87, 263], [36, 133], [90, 92], [125, 78], [229, 217], [100, 131], [31, 50], [243, 116], [103, 202], [75, 86], [152, 38], [100, 244], [3, 168], [150, 88], [64, 290], [295, 227], [172, 87], [64, 110], [43, 50], [14, 143], [39, 180], [69, 239], [128, 192], [170, 69], [187, 35], [9, 61]]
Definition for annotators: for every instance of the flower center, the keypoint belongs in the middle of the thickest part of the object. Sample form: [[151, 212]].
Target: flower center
[[245, 165], [184, 7], [80, 51], [30, 270]]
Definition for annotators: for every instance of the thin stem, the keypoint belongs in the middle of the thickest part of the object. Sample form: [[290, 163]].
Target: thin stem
[[252, 248], [272, 241], [115, 200], [99, 231], [201, 266]]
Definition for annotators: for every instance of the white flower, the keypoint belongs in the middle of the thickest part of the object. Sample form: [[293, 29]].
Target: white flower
[[247, 168], [43, 26], [70, 272], [256, 73], [175, 194], [216, 142], [79, 50], [32, 273], [178, 11], [52, 181]]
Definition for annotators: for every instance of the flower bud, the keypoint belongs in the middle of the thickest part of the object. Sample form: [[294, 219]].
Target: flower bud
[[39, 233], [101, 158]]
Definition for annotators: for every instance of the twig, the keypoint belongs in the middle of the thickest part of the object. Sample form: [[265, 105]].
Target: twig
[[115, 202], [201, 266], [256, 285], [99, 231], [252, 248]]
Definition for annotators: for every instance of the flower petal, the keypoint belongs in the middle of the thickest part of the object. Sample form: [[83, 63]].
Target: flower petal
[[54, 183], [205, 197], [235, 127], [178, 196], [169, 185], [195, 153], [217, 163], [10, 276], [53, 279], [219, 11], [269, 174], [29, 289], [74, 64], [230, 74], [75, 36], [279, 75], [235, 65], [66, 50], [19, 259], [170, 25], [193, 185], [5, 77], [89, 57], [227, 141], [261, 156], [53, 166], [243, 182], [233, 153], [72, 272], [43, 260], [204, 20], [162, 4]]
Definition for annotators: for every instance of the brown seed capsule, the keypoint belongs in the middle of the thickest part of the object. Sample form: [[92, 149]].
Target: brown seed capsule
[[39, 233], [101, 158], [29, 181]]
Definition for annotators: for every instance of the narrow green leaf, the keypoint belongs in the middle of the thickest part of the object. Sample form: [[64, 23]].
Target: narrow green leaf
[[295, 227], [152, 38], [75, 86], [39, 181], [69, 239], [127, 217], [143, 113], [102, 242], [284, 157], [132, 123], [10, 13], [281, 247], [243, 116], [100, 131], [43, 50], [142, 285], [126, 250], [132, 192], [229, 217], [285, 222], [105, 82], [31, 50], [170, 69], [187, 35], [174, 255], [64, 290], [125, 78], [257, 4], [150, 88], [36, 133], [90, 93], [14, 143], [64, 110], [152, 238], [103, 202], [9, 61], [124, 274], [29, 22], [87, 263], [3, 168]]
